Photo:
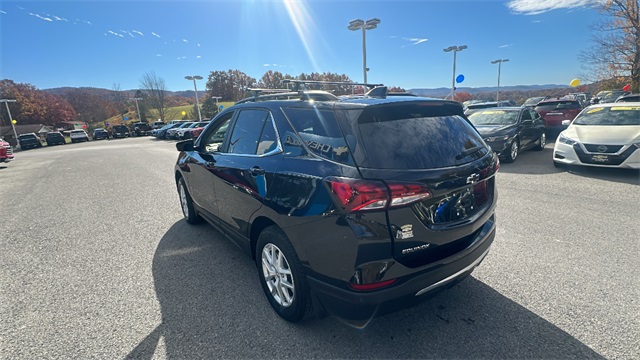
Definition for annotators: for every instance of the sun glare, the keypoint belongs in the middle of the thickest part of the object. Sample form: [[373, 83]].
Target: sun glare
[[301, 20]]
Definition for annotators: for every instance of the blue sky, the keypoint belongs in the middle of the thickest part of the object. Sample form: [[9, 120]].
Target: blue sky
[[99, 43]]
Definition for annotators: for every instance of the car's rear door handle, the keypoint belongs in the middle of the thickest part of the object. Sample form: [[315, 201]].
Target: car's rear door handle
[[255, 171]]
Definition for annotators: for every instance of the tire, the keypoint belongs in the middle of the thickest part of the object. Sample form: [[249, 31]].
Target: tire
[[541, 142], [512, 153], [186, 203], [282, 276]]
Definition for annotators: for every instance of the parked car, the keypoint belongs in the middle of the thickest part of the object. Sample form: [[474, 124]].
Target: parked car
[[533, 101], [162, 132], [555, 111], [55, 138], [100, 134], [140, 129], [119, 131], [195, 132], [607, 96], [603, 135], [78, 135], [156, 125], [185, 132], [331, 211], [471, 108], [510, 130], [171, 133], [6, 151], [29, 141], [629, 98]]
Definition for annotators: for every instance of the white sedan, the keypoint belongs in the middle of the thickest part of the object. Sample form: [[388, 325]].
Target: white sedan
[[604, 135]]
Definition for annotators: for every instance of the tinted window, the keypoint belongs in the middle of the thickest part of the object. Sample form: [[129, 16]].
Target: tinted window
[[612, 115], [268, 139], [246, 132], [320, 132], [420, 136], [558, 105]]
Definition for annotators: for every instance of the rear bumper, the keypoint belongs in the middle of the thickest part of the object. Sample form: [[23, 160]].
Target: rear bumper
[[409, 289]]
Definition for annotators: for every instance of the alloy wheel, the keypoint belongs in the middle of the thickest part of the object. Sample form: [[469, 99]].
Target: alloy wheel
[[183, 201], [277, 275]]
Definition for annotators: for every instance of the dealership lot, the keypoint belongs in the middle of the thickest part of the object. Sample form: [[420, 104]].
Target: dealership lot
[[96, 261]]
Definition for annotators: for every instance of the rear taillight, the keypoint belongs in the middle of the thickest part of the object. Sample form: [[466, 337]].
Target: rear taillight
[[372, 286], [361, 195]]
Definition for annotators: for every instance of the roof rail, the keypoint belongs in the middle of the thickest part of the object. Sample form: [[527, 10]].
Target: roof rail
[[297, 84]]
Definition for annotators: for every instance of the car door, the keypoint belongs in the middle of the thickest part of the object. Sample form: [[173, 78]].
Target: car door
[[527, 130], [243, 170], [200, 165]]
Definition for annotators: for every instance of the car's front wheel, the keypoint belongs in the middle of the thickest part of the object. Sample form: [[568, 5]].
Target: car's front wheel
[[512, 152], [282, 276], [186, 203]]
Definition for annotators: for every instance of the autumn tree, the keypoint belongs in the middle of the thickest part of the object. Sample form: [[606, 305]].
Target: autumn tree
[[462, 96], [34, 106], [89, 107], [615, 53], [230, 85], [155, 89]]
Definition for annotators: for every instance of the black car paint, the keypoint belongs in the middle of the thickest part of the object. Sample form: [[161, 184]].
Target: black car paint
[[29, 141], [527, 132], [287, 189], [55, 138]]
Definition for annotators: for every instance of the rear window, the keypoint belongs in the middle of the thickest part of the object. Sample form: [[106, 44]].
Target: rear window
[[482, 106], [26, 136], [320, 132], [558, 105], [414, 136]]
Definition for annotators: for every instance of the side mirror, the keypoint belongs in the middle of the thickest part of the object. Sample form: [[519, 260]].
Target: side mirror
[[185, 145], [566, 122]]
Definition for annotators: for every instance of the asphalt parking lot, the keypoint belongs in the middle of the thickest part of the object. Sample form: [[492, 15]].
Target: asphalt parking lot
[[96, 262]]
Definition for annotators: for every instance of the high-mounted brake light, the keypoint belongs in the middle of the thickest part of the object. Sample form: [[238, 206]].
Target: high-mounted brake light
[[360, 195]]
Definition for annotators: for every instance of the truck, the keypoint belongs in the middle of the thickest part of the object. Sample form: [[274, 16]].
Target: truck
[[6, 151]]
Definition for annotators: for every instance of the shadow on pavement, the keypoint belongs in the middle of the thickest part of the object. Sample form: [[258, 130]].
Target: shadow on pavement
[[213, 307]]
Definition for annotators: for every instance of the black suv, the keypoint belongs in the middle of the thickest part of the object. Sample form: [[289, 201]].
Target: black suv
[[351, 206], [100, 133], [119, 131], [54, 138], [29, 141]]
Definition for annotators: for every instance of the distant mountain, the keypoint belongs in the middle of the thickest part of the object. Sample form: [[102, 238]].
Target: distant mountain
[[442, 92]]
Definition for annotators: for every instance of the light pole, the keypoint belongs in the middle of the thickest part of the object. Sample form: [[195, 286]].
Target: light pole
[[499, 62], [137, 107], [358, 24], [6, 102], [455, 49], [194, 78]]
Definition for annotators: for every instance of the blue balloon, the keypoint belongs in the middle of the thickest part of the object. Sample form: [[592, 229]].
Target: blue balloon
[[460, 78]]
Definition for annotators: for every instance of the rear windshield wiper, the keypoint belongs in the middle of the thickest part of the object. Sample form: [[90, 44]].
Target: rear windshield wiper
[[468, 152]]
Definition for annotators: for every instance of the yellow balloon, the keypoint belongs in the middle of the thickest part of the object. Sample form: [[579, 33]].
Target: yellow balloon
[[14, 121], [575, 82], [184, 113]]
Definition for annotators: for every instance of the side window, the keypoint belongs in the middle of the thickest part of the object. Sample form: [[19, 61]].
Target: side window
[[215, 138], [534, 114], [247, 132], [268, 139], [526, 115]]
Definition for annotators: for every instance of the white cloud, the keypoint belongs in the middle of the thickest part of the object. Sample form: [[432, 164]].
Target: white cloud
[[198, 45], [198, 57], [536, 21], [266, 65], [534, 7], [115, 33], [413, 40], [2, 12], [87, 22], [154, 34], [504, 46], [138, 32], [185, 40], [57, 18], [41, 17], [159, 55]]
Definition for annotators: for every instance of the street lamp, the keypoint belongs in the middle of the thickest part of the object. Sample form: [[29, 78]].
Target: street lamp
[[455, 49], [194, 78], [358, 24], [499, 62], [137, 107], [6, 102]]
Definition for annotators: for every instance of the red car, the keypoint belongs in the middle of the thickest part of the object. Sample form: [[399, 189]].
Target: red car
[[554, 111], [6, 151]]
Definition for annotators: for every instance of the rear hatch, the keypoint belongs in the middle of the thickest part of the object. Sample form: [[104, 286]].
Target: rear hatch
[[435, 166], [554, 112]]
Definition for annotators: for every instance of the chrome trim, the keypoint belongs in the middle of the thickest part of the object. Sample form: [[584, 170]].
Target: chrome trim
[[453, 276], [584, 148]]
